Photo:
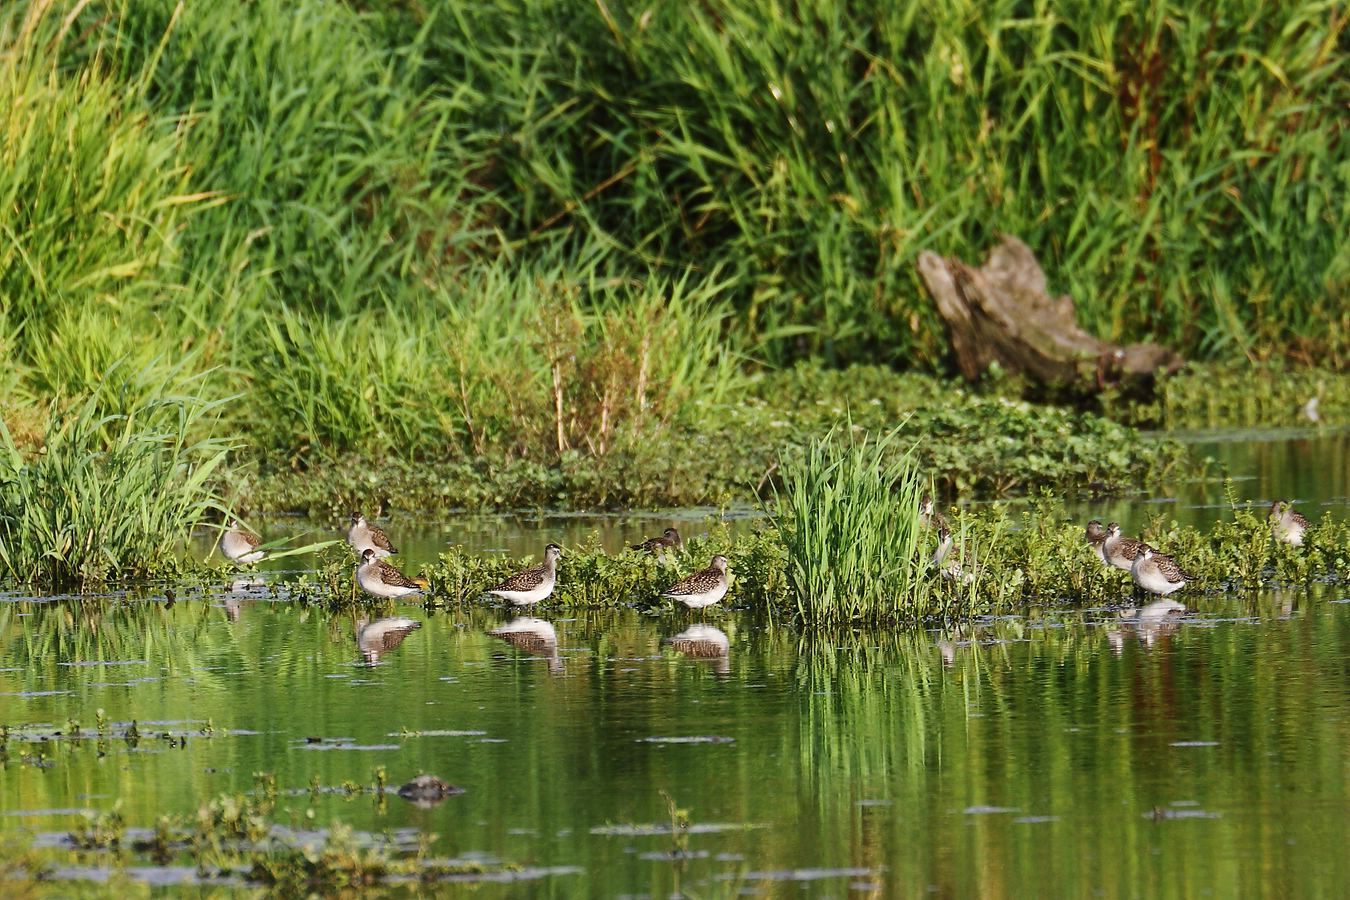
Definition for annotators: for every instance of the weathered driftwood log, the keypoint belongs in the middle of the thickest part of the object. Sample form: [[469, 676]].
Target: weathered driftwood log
[[1001, 312]]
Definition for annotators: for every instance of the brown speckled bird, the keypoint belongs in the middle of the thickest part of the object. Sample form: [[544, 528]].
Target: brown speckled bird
[[929, 517], [533, 584], [383, 580], [1096, 538], [704, 588], [363, 536], [1286, 525], [658, 546], [1158, 573], [1121, 551], [240, 545]]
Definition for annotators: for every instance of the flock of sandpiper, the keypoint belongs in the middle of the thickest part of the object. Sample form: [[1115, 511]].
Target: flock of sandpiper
[[1152, 570], [381, 578], [1159, 573]]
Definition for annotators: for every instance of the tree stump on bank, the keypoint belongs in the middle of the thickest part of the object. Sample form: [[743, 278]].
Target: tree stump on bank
[[1001, 313]]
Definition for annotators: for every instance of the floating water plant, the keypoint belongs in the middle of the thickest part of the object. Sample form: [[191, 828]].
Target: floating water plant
[[239, 836]]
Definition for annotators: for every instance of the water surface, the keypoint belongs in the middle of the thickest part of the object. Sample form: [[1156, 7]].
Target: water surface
[[1113, 752]]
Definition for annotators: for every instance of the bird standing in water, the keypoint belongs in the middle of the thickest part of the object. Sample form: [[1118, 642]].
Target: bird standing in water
[[363, 536], [1158, 573], [704, 588], [382, 579], [240, 545], [531, 585], [1286, 525]]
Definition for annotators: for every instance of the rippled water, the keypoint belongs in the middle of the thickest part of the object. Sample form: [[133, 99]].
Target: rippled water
[[1117, 752], [1105, 751]]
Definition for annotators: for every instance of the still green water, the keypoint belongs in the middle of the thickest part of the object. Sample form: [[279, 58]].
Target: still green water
[[1065, 753]]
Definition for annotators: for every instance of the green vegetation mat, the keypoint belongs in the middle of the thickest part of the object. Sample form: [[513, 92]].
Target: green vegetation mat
[[733, 450]]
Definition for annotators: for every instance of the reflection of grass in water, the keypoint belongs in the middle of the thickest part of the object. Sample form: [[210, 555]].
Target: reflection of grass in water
[[1063, 726], [1058, 726]]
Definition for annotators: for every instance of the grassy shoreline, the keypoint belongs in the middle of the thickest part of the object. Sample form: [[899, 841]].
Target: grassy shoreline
[[502, 255], [967, 443], [492, 195]]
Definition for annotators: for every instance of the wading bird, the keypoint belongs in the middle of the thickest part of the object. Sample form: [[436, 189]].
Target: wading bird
[[382, 579], [531, 585], [704, 588]]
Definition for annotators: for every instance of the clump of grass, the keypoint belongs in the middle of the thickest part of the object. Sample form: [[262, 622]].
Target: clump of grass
[[319, 397], [93, 189], [109, 494], [848, 518]]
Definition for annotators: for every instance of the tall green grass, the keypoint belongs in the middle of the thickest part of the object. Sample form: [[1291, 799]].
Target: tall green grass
[[1179, 167], [344, 179], [94, 183], [848, 517], [567, 363], [109, 494]]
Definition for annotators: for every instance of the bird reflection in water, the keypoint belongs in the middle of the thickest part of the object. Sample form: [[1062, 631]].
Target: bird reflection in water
[[247, 585], [948, 643], [533, 636], [242, 588], [374, 639], [705, 642], [1156, 620]]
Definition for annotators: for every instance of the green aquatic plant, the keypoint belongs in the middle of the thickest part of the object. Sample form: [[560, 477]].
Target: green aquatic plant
[[109, 494], [100, 830], [848, 518], [239, 836], [679, 825]]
